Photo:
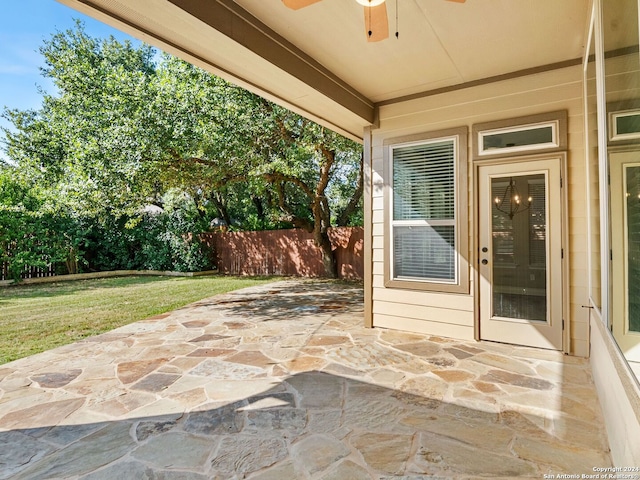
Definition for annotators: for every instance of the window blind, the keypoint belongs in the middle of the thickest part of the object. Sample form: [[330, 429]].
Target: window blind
[[423, 224], [424, 252], [537, 224], [423, 180]]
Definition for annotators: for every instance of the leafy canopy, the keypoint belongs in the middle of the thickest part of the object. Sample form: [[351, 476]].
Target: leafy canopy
[[127, 128]]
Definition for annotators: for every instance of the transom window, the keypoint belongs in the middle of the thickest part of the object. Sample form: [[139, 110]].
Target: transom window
[[518, 139], [545, 132], [624, 125]]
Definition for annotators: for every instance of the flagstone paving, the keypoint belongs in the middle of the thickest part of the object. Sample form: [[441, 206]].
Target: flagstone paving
[[282, 382]]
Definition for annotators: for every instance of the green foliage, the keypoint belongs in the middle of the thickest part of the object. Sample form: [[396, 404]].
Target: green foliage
[[152, 242], [127, 128], [31, 234], [93, 142]]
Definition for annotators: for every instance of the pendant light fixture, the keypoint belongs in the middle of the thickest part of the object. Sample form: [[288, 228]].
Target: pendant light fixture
[[511, 202]]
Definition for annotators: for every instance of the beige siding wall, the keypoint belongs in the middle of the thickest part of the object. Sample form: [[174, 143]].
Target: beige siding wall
[[453, 314]]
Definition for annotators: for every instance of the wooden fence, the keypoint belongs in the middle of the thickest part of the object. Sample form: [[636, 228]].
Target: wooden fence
[[28, 272], [286, 252]]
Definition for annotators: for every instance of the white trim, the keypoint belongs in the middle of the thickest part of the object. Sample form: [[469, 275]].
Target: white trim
[[603, 172], [596, 305], [613, 132], [555, 143], [424, 223]]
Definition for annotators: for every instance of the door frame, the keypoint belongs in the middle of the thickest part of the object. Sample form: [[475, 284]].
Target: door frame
[[561, 157], [618, 261]]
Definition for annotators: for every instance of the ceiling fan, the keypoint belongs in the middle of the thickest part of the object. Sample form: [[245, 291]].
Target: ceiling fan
[[375, 16]]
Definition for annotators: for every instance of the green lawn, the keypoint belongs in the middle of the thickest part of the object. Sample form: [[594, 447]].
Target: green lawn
[[35, 318]]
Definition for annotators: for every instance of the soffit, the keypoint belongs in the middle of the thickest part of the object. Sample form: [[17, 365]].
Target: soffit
[[620, 24], [163, 24], [317, 61], [440, 44]]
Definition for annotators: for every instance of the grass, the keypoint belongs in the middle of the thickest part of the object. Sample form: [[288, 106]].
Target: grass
[[35, 318]]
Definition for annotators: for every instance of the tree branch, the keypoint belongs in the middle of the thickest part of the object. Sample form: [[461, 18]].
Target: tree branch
[[275, 178], [298, 222], [343, 217]]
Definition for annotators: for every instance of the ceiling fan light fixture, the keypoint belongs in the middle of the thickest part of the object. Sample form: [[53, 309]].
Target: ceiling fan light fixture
[[370, 3]]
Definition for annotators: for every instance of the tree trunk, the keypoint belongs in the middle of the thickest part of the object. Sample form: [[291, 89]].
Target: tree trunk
[[329, 260], [72, 261], [322, 215], [220, 205], [257, 202]]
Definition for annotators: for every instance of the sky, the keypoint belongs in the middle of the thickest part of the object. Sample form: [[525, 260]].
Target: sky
[[24, 25]]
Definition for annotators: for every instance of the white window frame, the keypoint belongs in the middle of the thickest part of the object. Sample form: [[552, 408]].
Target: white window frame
[[425, 223], [460, 283], [555, 142], [557, 121], [613, 131]]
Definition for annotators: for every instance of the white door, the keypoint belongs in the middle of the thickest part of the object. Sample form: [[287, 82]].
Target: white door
[[625, 252], [520, 257]]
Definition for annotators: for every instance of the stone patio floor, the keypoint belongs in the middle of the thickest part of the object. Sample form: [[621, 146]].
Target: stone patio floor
[[283, 382]]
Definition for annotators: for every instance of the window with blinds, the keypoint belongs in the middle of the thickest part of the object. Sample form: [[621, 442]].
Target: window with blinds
[[424, 211]]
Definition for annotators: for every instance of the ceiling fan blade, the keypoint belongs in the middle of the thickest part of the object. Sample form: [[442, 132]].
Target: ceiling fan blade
[[298, 4], [376, 23]]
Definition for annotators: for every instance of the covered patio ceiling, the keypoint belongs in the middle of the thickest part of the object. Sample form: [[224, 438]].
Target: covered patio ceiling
[[318, 62]]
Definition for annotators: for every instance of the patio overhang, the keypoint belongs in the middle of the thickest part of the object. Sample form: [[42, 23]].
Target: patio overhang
[[228, 41], [317, 61]]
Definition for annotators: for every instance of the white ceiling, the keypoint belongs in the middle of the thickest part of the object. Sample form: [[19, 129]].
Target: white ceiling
[[441, 43]]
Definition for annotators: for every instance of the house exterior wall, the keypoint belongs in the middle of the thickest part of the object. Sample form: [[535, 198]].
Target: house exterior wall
[[453, 314]]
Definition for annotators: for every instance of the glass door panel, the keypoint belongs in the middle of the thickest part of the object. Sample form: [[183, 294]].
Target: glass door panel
[[632, 177], [519, 233]]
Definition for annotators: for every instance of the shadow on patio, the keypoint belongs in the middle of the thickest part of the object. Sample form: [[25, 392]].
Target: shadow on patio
[[282, 382]]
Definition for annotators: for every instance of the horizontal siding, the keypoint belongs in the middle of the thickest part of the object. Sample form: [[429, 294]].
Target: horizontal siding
[[577, 247], [378, 229], [429, 328], [579, 313], [429, 312], [378, 282], [477, 112], [425, 314], [463, 303], [514, 88], [580, 331]]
